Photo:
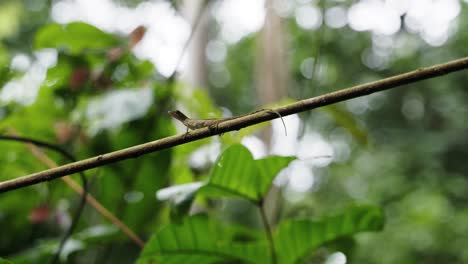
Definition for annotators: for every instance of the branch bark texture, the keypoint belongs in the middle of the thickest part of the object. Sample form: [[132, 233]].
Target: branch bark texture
[[236, 124]]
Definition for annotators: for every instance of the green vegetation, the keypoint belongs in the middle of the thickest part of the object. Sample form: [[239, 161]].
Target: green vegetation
[[394, 191]]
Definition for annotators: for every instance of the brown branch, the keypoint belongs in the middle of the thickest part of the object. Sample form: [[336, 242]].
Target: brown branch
[[236, 124]]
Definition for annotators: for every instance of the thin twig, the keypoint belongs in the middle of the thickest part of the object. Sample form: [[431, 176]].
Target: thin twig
[[266, 225], [236, 124]]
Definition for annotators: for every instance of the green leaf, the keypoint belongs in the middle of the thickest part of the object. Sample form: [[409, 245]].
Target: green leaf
[[74, 37], [59, 75], [297, 238], [348, 122], [200, 240], [4, 56], [198, 103], [142, 214], [141, 69], [11, 15], [4, 261], [236, 173], [268, 168]]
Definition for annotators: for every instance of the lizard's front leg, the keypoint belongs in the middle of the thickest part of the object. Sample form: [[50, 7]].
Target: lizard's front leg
[[186, 133]]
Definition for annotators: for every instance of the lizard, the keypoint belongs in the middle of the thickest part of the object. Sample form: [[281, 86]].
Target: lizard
[[193, 124]]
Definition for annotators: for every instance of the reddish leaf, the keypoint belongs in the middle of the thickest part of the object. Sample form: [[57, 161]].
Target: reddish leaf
[[136, 36], [39, 214], [78, 78]]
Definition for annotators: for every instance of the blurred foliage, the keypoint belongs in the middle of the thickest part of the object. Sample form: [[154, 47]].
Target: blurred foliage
[[90, 64], [403, 150], [10, 14], [73, 38]]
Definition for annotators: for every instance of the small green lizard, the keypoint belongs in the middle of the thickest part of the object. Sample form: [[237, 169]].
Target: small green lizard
[[200, 123]]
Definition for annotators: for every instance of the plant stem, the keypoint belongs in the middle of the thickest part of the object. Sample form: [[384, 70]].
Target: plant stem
[[235, 124], [269, 236]]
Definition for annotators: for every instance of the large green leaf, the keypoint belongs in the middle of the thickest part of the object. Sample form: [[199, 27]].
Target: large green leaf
[[201, 240], [297, 238], [236, 173], [74, 37]]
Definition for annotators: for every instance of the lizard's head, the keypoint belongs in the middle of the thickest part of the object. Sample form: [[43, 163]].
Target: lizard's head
[[178, 115]]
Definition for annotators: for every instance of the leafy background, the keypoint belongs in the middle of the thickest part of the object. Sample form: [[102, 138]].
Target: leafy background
[[402, 151]]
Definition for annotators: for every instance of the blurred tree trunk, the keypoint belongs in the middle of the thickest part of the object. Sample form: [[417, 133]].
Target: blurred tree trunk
[[271, 61], [195, 73], [271, 67]]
